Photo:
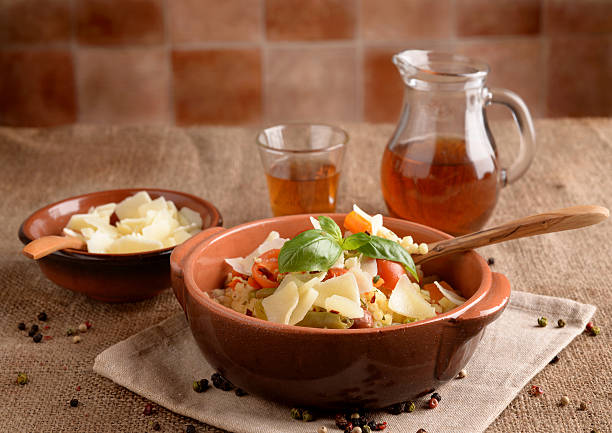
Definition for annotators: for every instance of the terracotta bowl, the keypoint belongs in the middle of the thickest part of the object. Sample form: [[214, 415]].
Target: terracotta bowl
[[108, 277], [330, 368]]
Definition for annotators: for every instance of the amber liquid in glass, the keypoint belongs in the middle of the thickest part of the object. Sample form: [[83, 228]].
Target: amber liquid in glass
[[438, 182], [302, 187]]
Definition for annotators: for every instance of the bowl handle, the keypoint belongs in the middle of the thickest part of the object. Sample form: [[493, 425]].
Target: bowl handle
[[492, 305], [178, 257]]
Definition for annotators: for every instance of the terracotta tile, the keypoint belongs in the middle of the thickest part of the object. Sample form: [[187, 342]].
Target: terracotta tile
[[32, 21], [571, 16], [37, 88], [516, 65], [217, 86], [392, 20], [579, 76], [110, 22], [300, 20], [311, 84], [498, 17], [212, 20], [123, 85]]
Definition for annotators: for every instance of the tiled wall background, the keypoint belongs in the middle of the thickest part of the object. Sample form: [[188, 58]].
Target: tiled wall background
[[192, 62]]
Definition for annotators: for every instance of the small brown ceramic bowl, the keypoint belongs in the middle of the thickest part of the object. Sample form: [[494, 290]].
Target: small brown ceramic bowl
[[108, 277], [330, 368]]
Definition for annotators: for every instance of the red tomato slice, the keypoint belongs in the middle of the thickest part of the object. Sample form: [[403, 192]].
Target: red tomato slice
[[265, 270], [334, 272], [390, 272]]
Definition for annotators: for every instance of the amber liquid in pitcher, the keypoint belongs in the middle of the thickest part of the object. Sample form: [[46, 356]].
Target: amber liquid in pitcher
[[302, 187], [437, 182]]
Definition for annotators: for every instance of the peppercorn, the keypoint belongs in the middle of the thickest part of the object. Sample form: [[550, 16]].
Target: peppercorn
[[409, 406], [296, 413], [366, 429], [190, 429], [148, 409], [37, 338], [354, 415], [542, 321], [76, 339], [21, 326], [33, 330], [436, 396], [381, 426], [200, 385], [554, 360], [564, 401], [583, 406], [70, 332], [462, 374], [322, 429], [74, 402], [433, 403], [561, 323], [341, 421], [22, 379], [421, 430], [348, 428], [42, 316], [221, 382], [82, 327], [307, 416], [357, 430], [395, 409], [490, 261], [595, 331], [589, 326], [240, 392], [594, 431], [88, 324], [536, 391], [156, 426]]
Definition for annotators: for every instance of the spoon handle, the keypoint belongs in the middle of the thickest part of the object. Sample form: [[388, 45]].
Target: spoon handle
[[46, 245], [556, 221]]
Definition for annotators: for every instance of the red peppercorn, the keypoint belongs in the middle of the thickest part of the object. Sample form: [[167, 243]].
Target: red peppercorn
[[589, 326], [148, 409], [433, 403], [88, 324], [536, 390], [381, 425]]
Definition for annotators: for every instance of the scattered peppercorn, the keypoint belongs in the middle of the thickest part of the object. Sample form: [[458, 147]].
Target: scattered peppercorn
[[583, 406], [221, 382], [37, 338], [33, 330], [354, 415], [421, 430], [395, 409], [156, 426], [21, 326], [536, 391], [433, 403], [82, 327], [380, 426], [240, 392], [554, 360], [76, 339], [349, 428], [542, 321], [70, 332], [366, 429], [589, 326], [148, 409], [357, 430], [561, 323], [595, 331], [322, 429], [22, 379], [409, 407], [200, 385], [307, 416], [42, 316], [564, 401], [594, 431], [296, 413], [462, 374], [341, 421], [436, 396], [490, 261], [74, 402], [88, 324], [190, 429]]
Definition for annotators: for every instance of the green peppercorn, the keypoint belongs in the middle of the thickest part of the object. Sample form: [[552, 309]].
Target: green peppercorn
[[22, 379], [366, 429], [307, 416], [595, 331], [409, 407], [542, 321], [197, 386], [70, 332], [296, 413], [561, 323]]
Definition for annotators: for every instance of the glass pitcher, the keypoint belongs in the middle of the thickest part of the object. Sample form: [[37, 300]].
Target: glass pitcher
[[440, 167]]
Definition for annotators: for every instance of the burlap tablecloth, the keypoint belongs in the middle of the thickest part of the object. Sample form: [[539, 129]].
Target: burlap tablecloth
[[573, 166]]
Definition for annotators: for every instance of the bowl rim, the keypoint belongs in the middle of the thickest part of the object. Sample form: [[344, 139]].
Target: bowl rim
[[486, 284], [74, 254]]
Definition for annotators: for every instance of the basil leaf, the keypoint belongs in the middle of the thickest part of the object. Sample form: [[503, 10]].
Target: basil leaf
[[312, 250], [329, 225], [380, 248], [355, 241]]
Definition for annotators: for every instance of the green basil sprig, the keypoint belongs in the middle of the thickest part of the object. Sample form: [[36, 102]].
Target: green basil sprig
[[318, 250]]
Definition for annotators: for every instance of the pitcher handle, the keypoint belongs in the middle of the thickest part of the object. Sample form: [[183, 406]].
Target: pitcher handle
[[521, 115]]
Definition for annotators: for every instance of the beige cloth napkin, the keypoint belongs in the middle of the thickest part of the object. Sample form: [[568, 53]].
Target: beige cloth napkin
[[161, 362]]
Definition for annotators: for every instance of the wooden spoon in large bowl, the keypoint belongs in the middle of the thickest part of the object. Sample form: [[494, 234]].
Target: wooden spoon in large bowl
[[556, 221]]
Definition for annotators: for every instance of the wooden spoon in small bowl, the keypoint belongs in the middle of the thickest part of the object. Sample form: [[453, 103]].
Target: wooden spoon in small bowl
[[43, 246], [556, 221]]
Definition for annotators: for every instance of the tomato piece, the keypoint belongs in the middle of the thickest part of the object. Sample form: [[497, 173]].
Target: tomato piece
[[434, 293], [265, 270], [334, 272], [254, 284], [390, 272]]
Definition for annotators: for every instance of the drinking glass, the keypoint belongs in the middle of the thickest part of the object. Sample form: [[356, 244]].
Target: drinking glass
[[302, 163]]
